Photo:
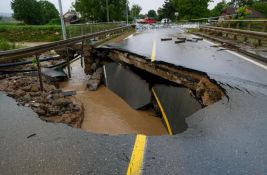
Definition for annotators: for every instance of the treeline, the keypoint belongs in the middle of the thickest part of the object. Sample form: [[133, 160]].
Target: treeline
[[194, 9], [34, 12], [96, 10]]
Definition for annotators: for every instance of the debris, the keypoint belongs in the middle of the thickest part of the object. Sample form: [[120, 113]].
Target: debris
[[179, 41], [166, 39], [181, 38], [69, 93], [197, 38], [32, 135], [192, 40]]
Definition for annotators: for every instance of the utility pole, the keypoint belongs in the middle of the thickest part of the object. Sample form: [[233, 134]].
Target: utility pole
[[64, 33], [127, 12], [62, 20], [107, 10]]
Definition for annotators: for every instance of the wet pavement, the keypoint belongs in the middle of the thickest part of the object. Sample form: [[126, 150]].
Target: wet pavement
[[229, 137], [200, 56]]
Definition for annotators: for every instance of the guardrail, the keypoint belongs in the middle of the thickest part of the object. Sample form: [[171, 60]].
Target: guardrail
[[246, 33], [55, 45], [74, 30], [253, 25], [17, 53]]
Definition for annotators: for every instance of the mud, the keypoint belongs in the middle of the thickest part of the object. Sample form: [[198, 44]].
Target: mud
[[106, 113]]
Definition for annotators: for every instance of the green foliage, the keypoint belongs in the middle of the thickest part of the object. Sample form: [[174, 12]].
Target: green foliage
[[6, 45], [33, 12], [1, 18], [135, 11], [30, 33], [48, 11], [54, 21], [241, 3], [260, 6], [95, 10], [191, 9], [242, 12], [152, 14], [167, 10], [218, 9]]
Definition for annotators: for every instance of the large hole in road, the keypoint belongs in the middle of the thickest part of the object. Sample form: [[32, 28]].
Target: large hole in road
[[139, 96]]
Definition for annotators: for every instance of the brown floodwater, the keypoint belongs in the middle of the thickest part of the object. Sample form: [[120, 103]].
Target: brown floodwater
[[106, 113]]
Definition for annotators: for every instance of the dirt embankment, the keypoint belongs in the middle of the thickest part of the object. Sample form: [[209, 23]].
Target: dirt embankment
[[51, 104]]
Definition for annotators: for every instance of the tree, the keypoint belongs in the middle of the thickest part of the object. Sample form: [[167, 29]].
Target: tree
[[135, 11], [167, 10], [191, 9], [152, 14], [241, 3], [95, 10], [49, 11], [260, 6], [218, 9], [28, 11], [33, 12]]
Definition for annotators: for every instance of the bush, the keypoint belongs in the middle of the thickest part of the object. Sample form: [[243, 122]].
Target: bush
[[55, 21], [5, 45]]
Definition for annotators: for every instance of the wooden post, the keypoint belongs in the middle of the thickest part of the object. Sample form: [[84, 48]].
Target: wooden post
[[68, 60], [259, 42], [237, 25], [264, 27], [82, 54], [229, 24], [39, 72], [249, 26]]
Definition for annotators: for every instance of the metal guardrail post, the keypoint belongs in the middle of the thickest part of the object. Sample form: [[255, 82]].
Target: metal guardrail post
[[39, 72], [264, 26], [68, 60]]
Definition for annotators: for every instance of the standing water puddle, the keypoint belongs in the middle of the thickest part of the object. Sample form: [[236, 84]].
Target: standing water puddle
[[107, 113]]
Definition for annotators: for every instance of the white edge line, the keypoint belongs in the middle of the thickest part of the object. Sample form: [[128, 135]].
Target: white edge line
[[130, 36], [243, 57]]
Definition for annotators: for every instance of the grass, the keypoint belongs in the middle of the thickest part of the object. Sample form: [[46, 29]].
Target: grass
[[6, 45], [46, 33]]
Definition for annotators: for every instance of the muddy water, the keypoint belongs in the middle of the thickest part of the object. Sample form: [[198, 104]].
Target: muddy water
[[107, 113]]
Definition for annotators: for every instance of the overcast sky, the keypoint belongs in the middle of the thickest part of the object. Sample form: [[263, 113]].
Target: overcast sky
[[145, 4]]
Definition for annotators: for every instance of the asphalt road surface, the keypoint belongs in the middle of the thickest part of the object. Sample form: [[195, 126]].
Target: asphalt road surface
[[229, 137]]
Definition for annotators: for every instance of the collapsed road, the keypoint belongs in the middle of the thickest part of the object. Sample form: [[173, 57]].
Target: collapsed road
[[225, 134]]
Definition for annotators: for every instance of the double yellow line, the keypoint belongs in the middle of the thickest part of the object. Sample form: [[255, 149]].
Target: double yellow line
[[136, 162], [153, 52]]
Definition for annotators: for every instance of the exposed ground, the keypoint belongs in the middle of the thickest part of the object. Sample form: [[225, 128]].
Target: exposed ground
[[50, 105]]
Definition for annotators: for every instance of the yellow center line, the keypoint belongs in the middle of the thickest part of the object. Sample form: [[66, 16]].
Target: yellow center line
[[163, 113], [136, 162], [153, 52]]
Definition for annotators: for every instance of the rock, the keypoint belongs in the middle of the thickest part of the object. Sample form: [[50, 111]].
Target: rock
[[96, 76], [34, 88], [99, 70], [94, 66], [36, 104], [56, 91], [93, 85], [53, 110], [49, 88], [49, 97], [26, 88], [27, 98], [19, 93], [40, 111], [62, 102], [35, 94]]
